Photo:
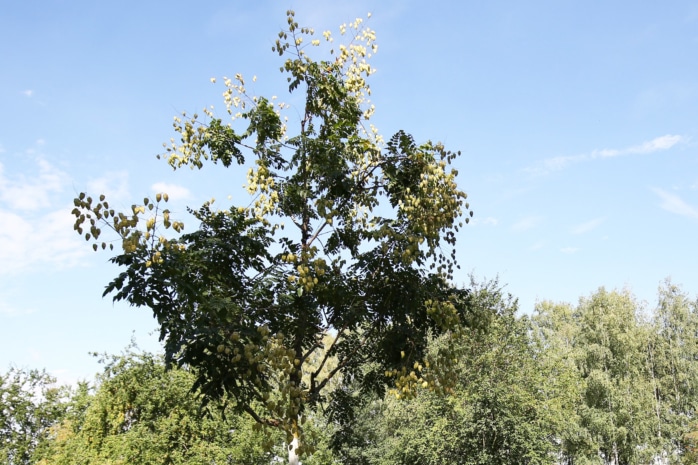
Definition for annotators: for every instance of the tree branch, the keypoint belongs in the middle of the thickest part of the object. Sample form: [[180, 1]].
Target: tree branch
[[258, 419]]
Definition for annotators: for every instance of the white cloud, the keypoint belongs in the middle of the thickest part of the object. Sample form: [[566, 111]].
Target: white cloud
[[174, 191], [114, 185], [39, 240], [65, 377], [29, 193], [655, 145], [28, 93], [36, 230], [526, 223], [8, 310], [569, 250], [587, 226], [537, 246], [487, 221], [660, 143], [675, 204]]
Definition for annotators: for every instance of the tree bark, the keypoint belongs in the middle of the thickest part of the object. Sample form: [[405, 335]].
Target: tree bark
[[292, 455]]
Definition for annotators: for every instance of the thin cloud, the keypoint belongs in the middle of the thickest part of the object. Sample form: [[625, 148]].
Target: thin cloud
[[675, 204], [36, 232], [526, 223], [29, 193], [114, 185], [46, 240], [655, 145], [28, 93], [8, 310], [537, 246], [587, 226], [173, 191], [569, 250], [488, 221]]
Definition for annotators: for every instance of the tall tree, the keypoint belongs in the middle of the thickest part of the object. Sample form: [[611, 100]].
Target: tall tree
[[605, 340], [556, 332], [672, 356], [367, 261]]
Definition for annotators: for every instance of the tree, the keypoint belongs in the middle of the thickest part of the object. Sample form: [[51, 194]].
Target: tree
[[601, 345], [500, 413], [556, 332], [141, 413], [30, 403], [368, 260], [617, 408], [671, 358]]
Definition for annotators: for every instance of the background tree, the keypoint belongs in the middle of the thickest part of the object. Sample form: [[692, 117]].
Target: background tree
[[501, 412], [617, 408], [555, 330], [367, 261], [140, 413], [30, 403], [672, 357], [600, 347]]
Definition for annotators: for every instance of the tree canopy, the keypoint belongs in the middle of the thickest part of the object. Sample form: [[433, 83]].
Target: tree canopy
[[30, 404], [140, 413], [603, 382]]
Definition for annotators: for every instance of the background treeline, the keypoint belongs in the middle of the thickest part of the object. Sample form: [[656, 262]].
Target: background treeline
[[607, 381]]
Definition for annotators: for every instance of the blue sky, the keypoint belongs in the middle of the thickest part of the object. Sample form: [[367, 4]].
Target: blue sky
[[577, 122]]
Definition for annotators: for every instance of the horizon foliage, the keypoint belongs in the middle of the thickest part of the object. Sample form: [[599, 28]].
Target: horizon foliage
[[139, 412], [30, 404], [602, 382]]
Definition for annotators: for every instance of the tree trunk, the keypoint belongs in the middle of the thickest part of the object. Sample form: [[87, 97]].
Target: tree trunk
[[292, 455]]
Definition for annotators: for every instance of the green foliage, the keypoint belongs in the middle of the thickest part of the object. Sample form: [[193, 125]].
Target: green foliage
[[672, 353], [630, 381], [141, 413], [617, 400], [368, 260], [30, 404], [597, 383], [500, 413]]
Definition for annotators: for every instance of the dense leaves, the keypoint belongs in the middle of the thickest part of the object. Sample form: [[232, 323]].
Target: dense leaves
[[631, 380], [500, 413], [603, 382], [30, 404], [142, 414]]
